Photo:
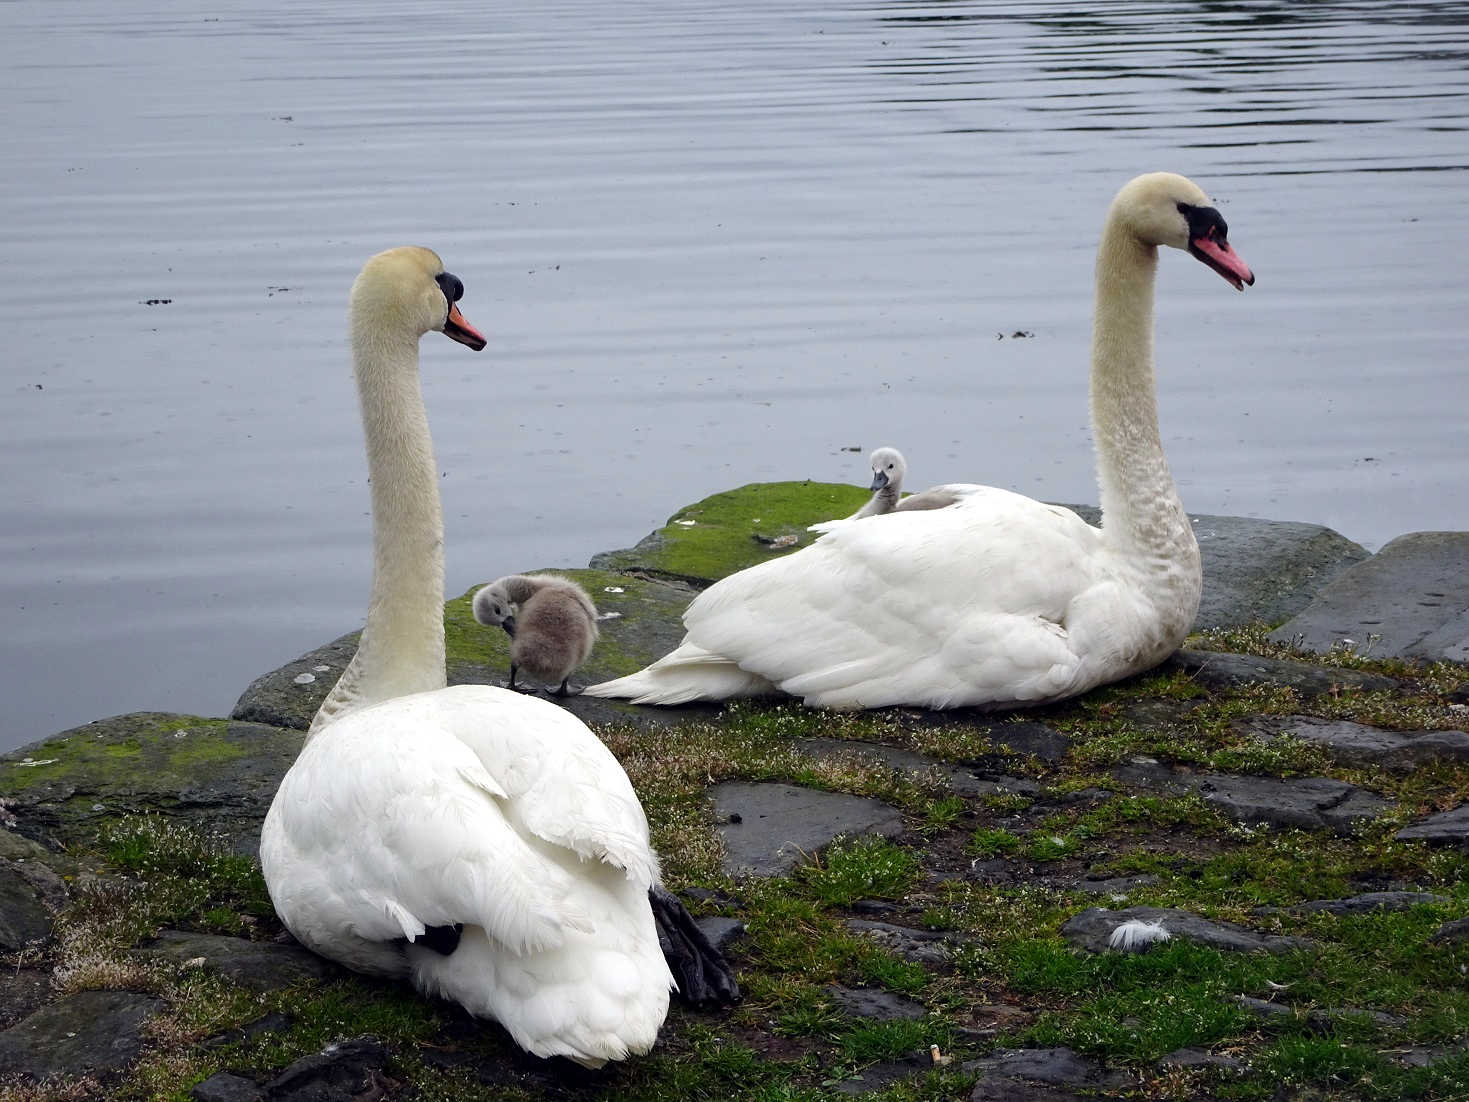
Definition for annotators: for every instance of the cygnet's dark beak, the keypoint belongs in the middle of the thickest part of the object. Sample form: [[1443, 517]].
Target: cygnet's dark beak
[[879, 480], [509, 625]]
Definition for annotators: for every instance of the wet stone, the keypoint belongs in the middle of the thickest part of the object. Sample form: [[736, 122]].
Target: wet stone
[[1200, 1058], [1311, 803], [24, 919], [258, 965], [918, 946], [965, 780], [1091, 929], [1446, 828], [879, 1076], [1221, 672], [768, 829], [347, 1071], [1369, 902], [91, 1032], [1357, 743], [721, 932], [1016, 1073], [873, 1002], [225, 1086], [1410, 600], [1455, 931]]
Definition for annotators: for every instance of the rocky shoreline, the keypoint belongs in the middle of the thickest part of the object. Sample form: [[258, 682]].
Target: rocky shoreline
[[1319, 708]]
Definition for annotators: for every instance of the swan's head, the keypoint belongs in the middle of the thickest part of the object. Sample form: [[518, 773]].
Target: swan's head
[[407, 291], [1163, 208], [493, 607], [888, 468]]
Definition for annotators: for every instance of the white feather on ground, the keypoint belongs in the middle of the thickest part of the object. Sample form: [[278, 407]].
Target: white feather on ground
[[1137, 935]]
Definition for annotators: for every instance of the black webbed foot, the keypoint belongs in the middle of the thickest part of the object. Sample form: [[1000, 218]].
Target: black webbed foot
[[704, 977], [564, 689]]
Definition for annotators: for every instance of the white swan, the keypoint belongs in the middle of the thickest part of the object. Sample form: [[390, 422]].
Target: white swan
[[996, 600], [481, 842], [551, 621]]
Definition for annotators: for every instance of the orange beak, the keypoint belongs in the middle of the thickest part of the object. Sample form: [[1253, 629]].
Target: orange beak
[[457, 329]]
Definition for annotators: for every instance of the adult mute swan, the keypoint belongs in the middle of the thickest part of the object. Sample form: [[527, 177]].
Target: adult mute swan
[[480, 842], [996, 600], [551, 622]]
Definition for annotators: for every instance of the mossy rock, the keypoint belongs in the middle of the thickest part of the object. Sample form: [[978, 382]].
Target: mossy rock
[[710, 539], [219, 774]]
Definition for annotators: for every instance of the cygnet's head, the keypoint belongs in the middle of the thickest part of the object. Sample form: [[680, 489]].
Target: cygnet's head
[[1163, 208], [493, 608], [888, 468], [406, 291]]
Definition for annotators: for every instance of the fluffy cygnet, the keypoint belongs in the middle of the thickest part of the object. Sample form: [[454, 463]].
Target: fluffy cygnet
[[888, 469], [551, 621]]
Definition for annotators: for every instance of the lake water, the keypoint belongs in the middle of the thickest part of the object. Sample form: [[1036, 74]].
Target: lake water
[[711, 244]]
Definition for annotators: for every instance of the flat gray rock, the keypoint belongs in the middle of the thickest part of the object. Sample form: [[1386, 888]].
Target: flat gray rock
[[918, 946], [1369, 902], [1091, 929], [227, 1087], [1201, 1058], [874, 1002], [1410, 600], [721, 932], [876, 1077], [91, 1032], [1457, 930], [1359, 744], [1218, 670], [257, 965], [1260, 570], [346, 1071], [1311, 803], [768, 829], [1446, 828], [1063, 1068], [24, 919]]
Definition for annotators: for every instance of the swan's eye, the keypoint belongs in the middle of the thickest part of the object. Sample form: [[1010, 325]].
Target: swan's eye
[[449, 283]]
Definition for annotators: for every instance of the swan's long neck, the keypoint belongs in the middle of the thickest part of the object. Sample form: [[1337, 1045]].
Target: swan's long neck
[[1141, 510], [402, 646]]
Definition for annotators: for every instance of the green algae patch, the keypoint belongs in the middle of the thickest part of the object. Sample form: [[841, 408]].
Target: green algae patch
[[713, 538], [214, 770]]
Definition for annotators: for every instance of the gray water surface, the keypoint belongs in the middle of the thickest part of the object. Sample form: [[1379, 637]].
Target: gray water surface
[[711, 244]]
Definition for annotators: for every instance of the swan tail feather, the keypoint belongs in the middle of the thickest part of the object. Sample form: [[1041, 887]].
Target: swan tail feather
[[685, 675]]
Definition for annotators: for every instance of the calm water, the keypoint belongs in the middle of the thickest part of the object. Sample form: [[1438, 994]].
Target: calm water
[[713, 243]]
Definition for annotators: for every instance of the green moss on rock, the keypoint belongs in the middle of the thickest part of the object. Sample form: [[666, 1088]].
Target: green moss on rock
[[715, 537]]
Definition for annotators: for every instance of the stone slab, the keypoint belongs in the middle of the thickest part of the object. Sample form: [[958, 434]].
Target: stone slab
[[257, 965], [1410, 600], [1359, 744], [768, 829], [874, 1002], [1310, 803], [1221, 671], [1446, 828], [89, 1033]]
